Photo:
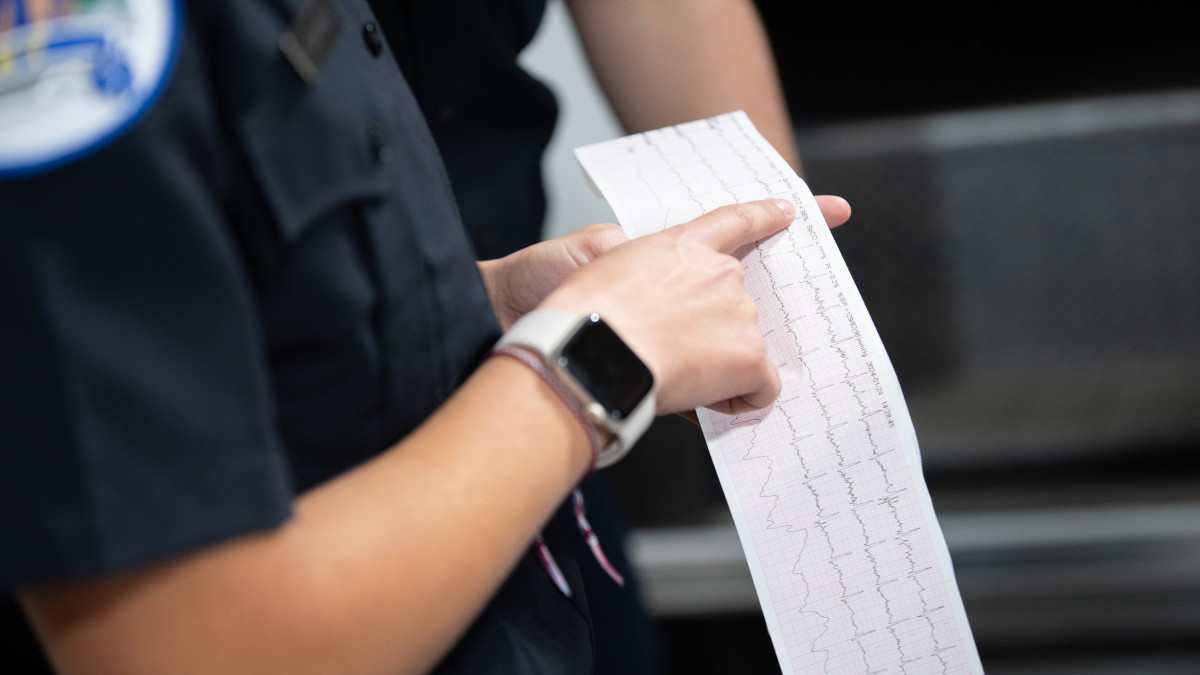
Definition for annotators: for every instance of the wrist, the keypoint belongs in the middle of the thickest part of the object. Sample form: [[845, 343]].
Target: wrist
[[490, 272], [559, 429], [608, 388], [597, 438]]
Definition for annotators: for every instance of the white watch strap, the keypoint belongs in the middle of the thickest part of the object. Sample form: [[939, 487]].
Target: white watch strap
[[545, 331]]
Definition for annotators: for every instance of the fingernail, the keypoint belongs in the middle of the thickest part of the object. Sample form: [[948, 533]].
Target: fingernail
[[787, 207]]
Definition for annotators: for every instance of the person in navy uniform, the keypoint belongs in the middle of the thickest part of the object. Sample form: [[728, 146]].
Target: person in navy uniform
[[247, 420], [492, 121]]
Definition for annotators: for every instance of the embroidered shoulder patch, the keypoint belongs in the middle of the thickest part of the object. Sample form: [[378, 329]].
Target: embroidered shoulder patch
[[76, 74]]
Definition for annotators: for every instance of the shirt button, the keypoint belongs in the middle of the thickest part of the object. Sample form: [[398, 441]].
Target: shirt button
[[377, 142], [373, 38]]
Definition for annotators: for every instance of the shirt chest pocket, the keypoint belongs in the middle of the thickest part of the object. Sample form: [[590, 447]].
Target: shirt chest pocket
[[314, 149]]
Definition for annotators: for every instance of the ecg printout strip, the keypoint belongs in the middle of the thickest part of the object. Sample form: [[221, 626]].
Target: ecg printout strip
[[825, 485]]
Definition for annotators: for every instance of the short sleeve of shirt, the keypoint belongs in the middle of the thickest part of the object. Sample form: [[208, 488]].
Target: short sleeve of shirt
[[135, 409]]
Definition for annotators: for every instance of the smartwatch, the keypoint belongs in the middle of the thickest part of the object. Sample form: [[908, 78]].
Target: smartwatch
[[614, 388]]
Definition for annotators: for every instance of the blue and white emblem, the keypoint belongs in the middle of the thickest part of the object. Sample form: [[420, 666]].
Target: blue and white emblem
[[75, 74]]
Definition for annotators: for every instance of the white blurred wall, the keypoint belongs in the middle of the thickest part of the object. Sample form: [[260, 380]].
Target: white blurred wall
[[556, 58]]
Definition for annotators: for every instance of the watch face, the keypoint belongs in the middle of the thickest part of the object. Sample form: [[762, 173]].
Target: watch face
[[602, 363]]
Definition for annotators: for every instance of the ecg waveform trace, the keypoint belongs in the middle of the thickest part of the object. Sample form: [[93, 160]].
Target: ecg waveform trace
[[825, 485]]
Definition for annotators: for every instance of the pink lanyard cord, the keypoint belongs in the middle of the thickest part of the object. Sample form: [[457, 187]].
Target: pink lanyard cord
[[551, 567], [534, 362], [593, 542]]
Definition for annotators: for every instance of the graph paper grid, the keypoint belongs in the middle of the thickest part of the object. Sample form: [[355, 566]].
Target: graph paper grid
[[825, 486]]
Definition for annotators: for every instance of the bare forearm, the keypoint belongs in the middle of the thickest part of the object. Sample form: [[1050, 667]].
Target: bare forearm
[[379, 570], [384, 567], [662, 62]]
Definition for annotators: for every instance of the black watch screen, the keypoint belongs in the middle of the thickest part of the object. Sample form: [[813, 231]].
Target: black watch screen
[[603, 364]]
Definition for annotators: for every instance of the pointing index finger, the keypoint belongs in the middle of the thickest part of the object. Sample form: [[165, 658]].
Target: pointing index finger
[[730, 227]]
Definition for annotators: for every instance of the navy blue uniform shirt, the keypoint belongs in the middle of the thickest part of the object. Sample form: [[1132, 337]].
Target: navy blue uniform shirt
[[492, 121], [259, 286], [490, 118]]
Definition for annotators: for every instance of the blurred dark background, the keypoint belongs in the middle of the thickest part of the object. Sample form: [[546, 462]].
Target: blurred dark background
[[1026, 235]]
